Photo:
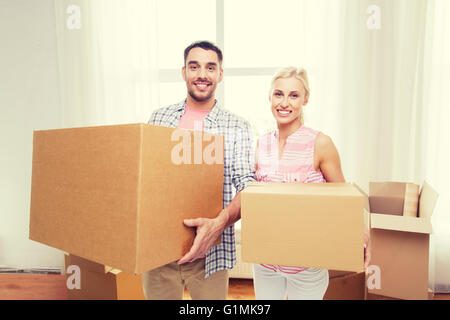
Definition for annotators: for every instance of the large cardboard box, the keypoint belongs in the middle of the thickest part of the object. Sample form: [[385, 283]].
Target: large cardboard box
[[400, 251], [117, 195], [346, 286], [98, 282], [307, 225]]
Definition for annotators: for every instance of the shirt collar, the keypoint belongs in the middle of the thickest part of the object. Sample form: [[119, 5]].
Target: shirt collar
[[212, 116], [215, 112], [276, 132]]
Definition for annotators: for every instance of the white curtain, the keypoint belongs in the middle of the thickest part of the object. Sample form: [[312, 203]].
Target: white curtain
[[435, 139], [384, 98], [107, 54], [394, 103]]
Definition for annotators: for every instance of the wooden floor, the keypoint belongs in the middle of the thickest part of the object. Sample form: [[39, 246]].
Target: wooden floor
[[53, 287], [238, 289], [32, 287]]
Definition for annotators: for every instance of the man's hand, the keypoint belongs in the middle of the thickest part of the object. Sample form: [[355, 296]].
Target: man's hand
[[208, 230]]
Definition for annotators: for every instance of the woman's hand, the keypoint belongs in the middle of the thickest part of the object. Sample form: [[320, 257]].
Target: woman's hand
[[367, 249]]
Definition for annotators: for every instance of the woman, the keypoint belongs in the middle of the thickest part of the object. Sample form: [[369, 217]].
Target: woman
[[294, 153]]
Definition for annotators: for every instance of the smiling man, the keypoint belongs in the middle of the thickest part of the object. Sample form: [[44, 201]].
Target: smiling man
[[203, 270], [202, 72]]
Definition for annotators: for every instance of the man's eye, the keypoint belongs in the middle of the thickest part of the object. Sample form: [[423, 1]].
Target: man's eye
[[193, 67]]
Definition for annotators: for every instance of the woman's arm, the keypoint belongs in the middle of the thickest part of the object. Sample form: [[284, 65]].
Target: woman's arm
[[327, 159]]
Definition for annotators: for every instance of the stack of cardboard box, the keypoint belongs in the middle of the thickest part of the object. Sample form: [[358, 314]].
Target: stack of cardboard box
[[346, 286], [321, 226], [117, 196], [93, 281]]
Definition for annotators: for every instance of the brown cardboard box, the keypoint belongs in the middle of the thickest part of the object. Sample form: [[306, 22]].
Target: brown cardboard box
[[307, 225], [371, 296], [113, 194], [400, 249], [99, 284], [348, 286]]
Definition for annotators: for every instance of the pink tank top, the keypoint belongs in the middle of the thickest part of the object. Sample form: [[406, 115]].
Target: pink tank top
[[295, 165]]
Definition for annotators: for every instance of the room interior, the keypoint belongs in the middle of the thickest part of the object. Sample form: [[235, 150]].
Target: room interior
[[379, 72]]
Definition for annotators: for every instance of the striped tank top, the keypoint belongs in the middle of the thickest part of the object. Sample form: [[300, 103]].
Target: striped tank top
[[295, 165]]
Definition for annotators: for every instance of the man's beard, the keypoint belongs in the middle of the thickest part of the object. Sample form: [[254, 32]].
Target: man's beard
[[200, 99]]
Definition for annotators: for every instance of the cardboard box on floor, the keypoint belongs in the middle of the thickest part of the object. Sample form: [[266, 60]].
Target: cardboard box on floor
[[346, 286], [371, 296], [114, 194], [98, 282], [400, 248], [318, 225]]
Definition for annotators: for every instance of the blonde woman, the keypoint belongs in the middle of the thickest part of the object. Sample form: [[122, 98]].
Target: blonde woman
[[294, 153]]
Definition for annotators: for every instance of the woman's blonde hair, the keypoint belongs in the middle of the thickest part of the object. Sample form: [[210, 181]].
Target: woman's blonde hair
[[288, 72]]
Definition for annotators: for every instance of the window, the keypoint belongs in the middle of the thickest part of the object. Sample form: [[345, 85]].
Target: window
[[179, 24], [257, 37]]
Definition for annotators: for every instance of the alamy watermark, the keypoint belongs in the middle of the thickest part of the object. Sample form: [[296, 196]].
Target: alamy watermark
[[74, 17], [74, 280], [374, 278], [374, 19], [191, 150]]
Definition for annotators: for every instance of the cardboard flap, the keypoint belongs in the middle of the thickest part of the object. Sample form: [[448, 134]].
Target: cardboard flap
[[427, 201], [112, 270], [400, 223]]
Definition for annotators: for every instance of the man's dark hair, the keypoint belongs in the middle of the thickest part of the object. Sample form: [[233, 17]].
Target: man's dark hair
[[206, 45]]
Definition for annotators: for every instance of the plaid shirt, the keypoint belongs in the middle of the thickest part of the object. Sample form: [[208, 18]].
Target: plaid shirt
[[238, 168]]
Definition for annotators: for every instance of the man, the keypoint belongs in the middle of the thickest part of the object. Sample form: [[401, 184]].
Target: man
[[203, 270]]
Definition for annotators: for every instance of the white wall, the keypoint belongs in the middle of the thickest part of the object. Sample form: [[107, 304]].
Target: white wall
[[29, 101]]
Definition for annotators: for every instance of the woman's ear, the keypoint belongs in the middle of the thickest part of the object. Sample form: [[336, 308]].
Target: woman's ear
[[306, 100]]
